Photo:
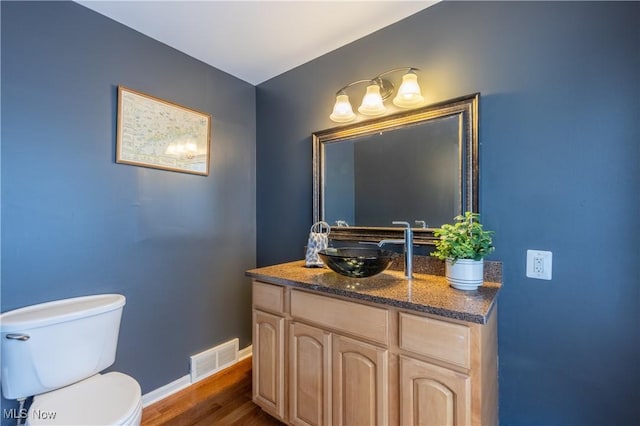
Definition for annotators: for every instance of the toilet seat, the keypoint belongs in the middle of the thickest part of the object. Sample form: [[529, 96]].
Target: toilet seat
[[104, 399]]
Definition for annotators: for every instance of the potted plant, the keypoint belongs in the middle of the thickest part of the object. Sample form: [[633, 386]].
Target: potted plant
[[463, 247]]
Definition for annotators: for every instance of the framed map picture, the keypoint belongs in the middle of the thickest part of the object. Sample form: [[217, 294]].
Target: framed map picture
[[162, 135]]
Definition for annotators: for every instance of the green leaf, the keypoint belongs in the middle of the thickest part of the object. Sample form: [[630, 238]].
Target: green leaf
[[465, 239]]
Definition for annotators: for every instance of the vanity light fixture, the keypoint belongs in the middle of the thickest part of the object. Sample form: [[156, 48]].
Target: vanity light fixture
[[379, 89]]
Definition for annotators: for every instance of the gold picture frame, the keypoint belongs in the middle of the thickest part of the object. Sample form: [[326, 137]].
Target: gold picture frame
[[162, 135]]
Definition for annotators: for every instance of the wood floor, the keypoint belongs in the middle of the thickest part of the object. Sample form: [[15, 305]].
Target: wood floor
[[222, 399]]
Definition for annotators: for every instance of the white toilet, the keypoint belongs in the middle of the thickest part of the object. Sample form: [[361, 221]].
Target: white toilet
[[55, 351]]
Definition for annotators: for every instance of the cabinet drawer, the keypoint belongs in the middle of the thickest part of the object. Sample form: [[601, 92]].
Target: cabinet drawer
[[268, 297], [436, 339], [353, 318]]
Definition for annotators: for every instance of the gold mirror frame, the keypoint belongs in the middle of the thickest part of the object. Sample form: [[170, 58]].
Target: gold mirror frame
[[466, 107]]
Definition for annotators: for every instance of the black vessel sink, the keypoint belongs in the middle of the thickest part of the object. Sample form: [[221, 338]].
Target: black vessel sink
[[357, 262]]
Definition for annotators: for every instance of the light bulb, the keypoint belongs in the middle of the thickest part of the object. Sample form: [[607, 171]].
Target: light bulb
[[409, 92], [372, 102], [342, 110]]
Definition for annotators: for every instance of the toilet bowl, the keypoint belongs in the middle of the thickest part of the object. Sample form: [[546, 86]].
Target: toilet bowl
[[55, 352], [104, 399]]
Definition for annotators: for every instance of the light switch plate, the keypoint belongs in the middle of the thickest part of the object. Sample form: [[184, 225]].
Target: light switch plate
[[539, 264]]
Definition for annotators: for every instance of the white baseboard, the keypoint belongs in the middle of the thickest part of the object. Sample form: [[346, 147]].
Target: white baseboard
[[245, 353], [182, 383], [166, 390]]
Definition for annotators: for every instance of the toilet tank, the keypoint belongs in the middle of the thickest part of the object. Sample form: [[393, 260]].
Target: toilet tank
[[51, 345]]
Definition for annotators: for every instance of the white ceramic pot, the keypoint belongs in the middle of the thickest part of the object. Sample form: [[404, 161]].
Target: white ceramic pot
[[465, 274]]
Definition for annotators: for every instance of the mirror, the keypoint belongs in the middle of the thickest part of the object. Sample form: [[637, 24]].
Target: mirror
[[419, 166]]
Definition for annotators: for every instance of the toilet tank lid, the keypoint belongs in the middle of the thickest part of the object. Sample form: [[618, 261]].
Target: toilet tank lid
[[58, 311]]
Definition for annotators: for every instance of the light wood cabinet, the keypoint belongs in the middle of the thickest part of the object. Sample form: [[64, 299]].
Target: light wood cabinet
[[441, 340], [268, 387], [363, 321], [309, 375], [360, 383], [349, 363], [432, 395], [268, 362]]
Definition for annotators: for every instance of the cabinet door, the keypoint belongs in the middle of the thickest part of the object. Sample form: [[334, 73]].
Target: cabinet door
[[432, 395], [309, 376], [268, 362], [360, 383]]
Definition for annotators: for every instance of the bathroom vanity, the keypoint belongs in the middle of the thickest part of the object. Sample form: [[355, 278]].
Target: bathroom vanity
[[382, 350]]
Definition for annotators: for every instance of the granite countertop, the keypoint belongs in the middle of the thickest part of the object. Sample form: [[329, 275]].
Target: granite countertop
[[425, 293]]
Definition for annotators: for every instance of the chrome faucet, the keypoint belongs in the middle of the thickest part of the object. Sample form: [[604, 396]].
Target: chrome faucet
[[408, 247]]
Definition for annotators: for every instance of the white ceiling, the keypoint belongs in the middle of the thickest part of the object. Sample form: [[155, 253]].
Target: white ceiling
[[256, 40]]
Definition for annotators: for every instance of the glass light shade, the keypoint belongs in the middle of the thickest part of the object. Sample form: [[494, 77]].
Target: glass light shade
[[372, 102], [409, 92], [342, 110]]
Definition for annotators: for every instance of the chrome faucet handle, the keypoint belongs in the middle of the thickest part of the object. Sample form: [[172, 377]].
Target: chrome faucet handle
[[421, 223], [403, 223]]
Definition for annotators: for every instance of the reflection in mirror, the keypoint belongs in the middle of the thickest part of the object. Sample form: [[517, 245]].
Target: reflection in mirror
[[415, 166], [378, 178]]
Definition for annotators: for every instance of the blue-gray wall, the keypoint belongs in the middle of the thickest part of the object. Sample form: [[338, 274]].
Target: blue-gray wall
[[560, 171], [74, 222]]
